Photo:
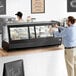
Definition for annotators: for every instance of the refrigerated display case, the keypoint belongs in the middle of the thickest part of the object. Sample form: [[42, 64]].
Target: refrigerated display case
[[28, 35]]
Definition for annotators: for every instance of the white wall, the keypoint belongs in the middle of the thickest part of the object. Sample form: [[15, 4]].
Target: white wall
[[54, 9]]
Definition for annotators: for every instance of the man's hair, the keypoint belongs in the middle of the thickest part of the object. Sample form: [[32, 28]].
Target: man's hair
[[71, 19], [19, 14]]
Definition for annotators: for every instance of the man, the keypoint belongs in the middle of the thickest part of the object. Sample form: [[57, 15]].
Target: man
[[69, 40], [19, 17]]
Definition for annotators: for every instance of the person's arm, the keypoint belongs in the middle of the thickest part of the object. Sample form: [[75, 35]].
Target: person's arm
[[60, 28], [60, 32]]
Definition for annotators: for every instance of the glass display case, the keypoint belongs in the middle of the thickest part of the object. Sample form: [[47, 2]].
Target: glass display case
[[42, 31], [32, 32], [27, 35], [18, 33]]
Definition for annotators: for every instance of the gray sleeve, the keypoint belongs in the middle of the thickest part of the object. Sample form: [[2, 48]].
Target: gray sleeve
[[57, 34]]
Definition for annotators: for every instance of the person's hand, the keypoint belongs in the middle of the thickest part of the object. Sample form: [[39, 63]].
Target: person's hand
[[56, 26]]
